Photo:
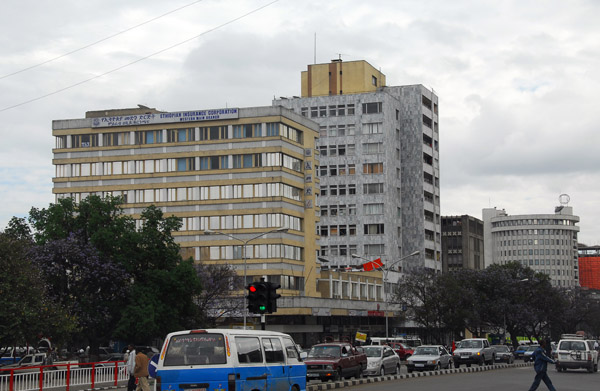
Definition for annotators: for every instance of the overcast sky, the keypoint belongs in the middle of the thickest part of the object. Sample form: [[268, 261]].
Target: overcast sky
[[518, 81]]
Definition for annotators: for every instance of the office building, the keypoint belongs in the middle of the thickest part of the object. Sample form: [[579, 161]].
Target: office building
[[547, 243], [462, 243], [238, 171], [379, 166]]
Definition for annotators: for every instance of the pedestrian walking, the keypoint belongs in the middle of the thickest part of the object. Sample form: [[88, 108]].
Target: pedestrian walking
[[541, 367], [141, 371], [131, 368]]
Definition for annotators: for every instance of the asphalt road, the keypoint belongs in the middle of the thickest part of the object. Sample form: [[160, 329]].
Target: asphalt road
[[512, 379]]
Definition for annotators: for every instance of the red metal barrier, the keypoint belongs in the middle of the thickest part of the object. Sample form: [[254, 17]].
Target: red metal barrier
[[45, 370]]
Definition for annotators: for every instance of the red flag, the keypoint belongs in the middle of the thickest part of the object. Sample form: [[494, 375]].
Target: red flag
[[377, 263], [368, 266]]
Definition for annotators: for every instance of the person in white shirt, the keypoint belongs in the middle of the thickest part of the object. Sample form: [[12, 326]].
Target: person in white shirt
[[131, 367]]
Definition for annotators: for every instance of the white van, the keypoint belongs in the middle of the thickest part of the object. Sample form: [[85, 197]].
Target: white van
[[229, 360]]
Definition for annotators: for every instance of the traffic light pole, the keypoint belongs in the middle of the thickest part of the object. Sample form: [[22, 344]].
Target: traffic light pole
[[263, 322]]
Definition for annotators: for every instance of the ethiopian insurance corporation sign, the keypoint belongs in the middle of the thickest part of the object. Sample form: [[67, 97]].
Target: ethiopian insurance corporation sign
[[162, 118]]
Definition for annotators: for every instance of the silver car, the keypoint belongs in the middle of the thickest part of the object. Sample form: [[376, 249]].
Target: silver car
[[381, 360], [429, 357]]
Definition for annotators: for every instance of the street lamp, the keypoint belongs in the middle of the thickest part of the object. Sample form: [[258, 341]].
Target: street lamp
[[245, 243], [386, 270]]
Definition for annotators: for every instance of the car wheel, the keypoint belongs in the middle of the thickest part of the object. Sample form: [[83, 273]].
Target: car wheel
[[382, 371], [596, 367], [450, 364], [358, 373], [339, 375]]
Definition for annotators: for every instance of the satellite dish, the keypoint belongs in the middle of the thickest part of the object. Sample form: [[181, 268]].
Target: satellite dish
[[564, 199]]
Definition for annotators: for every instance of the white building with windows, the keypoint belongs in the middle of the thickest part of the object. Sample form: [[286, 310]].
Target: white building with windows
[[547, 243], [379, 165]]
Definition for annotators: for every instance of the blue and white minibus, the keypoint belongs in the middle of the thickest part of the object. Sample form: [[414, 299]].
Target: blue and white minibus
[[230, 360]]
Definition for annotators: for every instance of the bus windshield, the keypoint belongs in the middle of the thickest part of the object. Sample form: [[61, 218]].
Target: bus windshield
[[195, 349]]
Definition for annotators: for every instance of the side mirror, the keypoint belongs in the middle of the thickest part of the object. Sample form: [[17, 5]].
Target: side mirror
[[303, 355]]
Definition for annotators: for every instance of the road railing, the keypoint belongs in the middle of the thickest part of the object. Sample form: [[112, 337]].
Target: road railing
[[63, 376]]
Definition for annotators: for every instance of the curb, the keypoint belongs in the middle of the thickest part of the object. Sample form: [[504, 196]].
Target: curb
[[355, 382]]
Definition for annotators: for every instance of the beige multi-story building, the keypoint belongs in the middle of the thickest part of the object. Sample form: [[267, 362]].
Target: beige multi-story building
[[236, 171]]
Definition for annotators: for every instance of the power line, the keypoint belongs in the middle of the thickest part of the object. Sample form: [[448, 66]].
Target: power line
[[139, 59], [99, 41]]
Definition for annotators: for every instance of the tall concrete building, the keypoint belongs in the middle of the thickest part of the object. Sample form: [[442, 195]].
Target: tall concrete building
[[462, 243], [379, 165], [547, 243]]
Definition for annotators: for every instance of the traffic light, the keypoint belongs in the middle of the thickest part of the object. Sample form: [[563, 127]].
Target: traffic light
[[273, 296], [258, 298]]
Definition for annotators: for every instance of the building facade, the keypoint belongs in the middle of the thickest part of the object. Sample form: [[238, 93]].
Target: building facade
[[462, 243], [547, 243], [379, 166], [238, 171]]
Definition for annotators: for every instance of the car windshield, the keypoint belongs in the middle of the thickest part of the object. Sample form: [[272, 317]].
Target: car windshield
[[470, 344], [500, 348], [373, 351], [324, 351], [532, 348], [572, 345], [426, 351]]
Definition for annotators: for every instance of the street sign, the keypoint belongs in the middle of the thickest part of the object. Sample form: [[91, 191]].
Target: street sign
[[153, 365]]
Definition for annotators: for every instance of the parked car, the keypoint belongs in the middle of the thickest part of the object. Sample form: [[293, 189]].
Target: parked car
[[574, 353], [334, 361], [381, 360], [403, 351], [518, 353], [503, 354], [474, 351], [528, 354], [428, 357]]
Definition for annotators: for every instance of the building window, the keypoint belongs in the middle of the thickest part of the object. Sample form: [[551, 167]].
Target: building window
[[372, 128], [373, 229], [374, 81], [371, 108], [373, 168], [373, 188]]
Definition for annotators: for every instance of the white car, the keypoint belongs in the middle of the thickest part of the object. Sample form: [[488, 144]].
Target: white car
[[429, 357], [381, 360], [575, 353]]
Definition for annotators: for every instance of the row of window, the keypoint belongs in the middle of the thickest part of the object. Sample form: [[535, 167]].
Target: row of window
[[267, 159], [339, 130], [521, 232], [335, 250], [547, 242], [338, 210], [331, 110], [512, 223], [337, 230], [337, 150], [531, 251], [337, 170], [143, 137], [356, 290], [368, 188], [368, 250], [255, 251], [198, 193], [267, 220]]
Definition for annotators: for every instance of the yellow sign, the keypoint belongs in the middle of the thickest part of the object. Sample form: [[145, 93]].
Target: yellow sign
[[361, 337]]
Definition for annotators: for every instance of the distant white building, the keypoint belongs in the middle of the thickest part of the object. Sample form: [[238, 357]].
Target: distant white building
[[547, 243]]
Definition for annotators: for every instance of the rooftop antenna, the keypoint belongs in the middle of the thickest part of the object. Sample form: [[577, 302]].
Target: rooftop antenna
[[315, 49]]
